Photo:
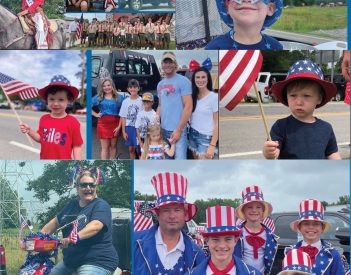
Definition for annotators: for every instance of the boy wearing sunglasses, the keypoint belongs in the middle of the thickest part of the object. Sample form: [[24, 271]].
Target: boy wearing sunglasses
[[247, 19]]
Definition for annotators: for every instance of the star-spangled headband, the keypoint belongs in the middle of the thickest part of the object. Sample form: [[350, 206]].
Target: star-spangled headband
[[170, 197], [207, 64], [95, 171], [311, 213], [252, 194]]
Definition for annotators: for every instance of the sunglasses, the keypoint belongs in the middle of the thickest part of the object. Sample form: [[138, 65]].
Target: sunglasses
[[86, 184]]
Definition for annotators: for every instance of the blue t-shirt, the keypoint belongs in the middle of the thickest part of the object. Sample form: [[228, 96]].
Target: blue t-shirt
[[225, 42], [170, 92], [300, 140], [108, 106], [97, 250]]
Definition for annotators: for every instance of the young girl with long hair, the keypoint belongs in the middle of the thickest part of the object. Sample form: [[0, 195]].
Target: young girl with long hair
[[109, 103], [155, 146]]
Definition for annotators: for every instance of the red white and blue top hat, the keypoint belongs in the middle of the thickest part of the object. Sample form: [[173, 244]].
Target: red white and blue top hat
[[222, 6], [171, 188], [310, 210], [304, 69], [296, 262], [253, 194], [59, 81], [221, 221]]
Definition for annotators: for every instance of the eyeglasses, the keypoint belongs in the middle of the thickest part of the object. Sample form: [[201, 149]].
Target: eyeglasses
[[87, 184]]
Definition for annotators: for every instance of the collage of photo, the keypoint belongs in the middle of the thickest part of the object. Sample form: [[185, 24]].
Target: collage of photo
[[240, 104]]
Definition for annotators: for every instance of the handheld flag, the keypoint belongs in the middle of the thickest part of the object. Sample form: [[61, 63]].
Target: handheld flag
[[13, 87], [80, 28], [73, 236], [238, 70], [142, 219]]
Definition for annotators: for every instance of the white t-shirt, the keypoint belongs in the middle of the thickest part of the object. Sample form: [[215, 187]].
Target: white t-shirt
[[169, 258], [248, 256], [130, 109], [202, 118], [144, 119]]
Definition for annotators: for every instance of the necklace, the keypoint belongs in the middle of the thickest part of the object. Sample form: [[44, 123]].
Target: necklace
[[236, 46]]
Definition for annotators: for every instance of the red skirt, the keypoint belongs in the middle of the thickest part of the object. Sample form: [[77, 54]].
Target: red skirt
[[106, 125]]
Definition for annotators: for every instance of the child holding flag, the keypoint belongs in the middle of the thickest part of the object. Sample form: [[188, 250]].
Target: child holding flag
[[59, 133]]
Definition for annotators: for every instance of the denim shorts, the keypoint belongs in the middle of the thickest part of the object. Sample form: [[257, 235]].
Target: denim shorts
[[132, 137], [199, 143], [62, 269]]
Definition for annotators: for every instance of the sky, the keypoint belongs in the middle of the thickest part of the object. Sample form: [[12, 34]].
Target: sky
[[183, 57], [284, 183], [38, 67]]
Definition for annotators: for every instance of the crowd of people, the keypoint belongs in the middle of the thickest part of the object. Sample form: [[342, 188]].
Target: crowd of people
[[186, 116], [123, 33]]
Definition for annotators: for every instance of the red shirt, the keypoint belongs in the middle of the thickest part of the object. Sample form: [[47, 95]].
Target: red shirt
[[31, 5], [58, 136]]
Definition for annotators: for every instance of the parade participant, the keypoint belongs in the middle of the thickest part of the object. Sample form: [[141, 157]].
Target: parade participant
[[247, 19], [142, 35], [175, 104], [109, 103], [84, 33], [109, 33], [123, 37], [166, 248], [91, 250], [73, 32], [326, 260], [117, 36], [135, 35], [158, 31], [129, 39], [302, 135], [131, 106], [145, 117], [296, 262], [59, 133], [150, 33], [346, 68], [82, 4], [203, 132], [221, 236], [258, 245], [101, 32], [154, 146], [166, 35], [38, 21], [92, 30]]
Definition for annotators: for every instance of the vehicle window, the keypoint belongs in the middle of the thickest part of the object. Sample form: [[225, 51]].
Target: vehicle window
[[120, 68], [145, 67], [282, 227], [280, 77], [138, 67], [335, 222], [96, 66], [131, 67], [263, 79]]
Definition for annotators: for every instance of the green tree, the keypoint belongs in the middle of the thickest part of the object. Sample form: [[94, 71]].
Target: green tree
[[55, 181], [143, 197]]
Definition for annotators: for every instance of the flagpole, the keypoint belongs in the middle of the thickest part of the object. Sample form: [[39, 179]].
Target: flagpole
[[262, 112], [18, 117]]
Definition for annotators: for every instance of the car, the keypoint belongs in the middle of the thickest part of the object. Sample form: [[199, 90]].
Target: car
[[340, 84], [136, 5], [338, 235], [264, 82]]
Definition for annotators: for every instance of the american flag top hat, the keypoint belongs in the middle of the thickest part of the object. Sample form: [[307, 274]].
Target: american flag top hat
[[222, 6], [221, 221], [59, 81], [171, 188], [253, 194], [310, 210], [304, 69], [296, 262]]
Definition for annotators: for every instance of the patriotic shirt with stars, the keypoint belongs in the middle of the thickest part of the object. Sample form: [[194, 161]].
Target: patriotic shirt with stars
[[328, 260], [269, 252]]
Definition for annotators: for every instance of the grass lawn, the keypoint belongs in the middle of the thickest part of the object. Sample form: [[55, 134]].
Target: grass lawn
[[311, 18], [172, 46]]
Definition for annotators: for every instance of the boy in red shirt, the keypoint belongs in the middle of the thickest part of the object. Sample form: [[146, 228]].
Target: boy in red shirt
[[59, 133]]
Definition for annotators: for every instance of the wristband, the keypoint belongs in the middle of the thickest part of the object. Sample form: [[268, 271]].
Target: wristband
[[212, 145]]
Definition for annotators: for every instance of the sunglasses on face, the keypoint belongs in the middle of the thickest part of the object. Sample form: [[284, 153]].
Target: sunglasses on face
[[87, 184]]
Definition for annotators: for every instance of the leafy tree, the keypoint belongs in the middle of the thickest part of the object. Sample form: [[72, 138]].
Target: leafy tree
[[281, 61], [55, 181], [143, 197]]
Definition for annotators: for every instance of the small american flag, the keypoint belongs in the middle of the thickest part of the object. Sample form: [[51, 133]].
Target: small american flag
[[237, 73], [142, 219], [13, 87], [80, 28], [73, 236], [268, 222], [24, 224]]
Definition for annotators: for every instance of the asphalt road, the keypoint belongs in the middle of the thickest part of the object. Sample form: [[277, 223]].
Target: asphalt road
[[15, 145], [242, 132], [162, 8]]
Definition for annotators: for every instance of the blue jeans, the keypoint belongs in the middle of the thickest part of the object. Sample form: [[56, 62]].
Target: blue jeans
[[62, 269], [181, 146], [199, 143]]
